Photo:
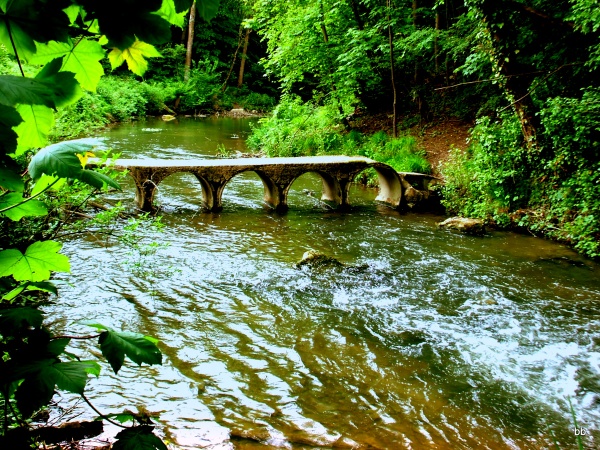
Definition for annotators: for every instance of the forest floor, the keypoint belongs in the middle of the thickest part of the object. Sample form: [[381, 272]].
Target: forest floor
[[436, 138]]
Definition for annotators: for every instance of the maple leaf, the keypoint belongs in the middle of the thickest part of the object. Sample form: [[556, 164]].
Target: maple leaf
[[135, 56]]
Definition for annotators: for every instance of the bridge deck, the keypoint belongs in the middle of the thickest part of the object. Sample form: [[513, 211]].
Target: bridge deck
[[238, 162]]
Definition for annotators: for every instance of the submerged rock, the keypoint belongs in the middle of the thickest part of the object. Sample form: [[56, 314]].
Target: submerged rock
[[317, 260], [313, 259], [464, 225]]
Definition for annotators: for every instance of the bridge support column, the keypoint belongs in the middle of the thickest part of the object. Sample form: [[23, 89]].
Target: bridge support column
[[390, 185], [145, 187]]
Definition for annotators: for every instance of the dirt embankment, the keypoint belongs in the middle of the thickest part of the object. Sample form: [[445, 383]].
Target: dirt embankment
[[435, 138]]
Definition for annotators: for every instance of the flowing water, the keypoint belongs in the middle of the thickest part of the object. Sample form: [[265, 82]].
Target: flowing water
[[425, 340]]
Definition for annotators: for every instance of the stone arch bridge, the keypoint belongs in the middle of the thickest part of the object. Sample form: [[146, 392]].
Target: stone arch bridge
[[277, 174]]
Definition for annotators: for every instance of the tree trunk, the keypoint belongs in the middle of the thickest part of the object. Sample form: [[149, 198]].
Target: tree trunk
[[516, 87], [243, 61], [436, 50], [391, 39], [190, 42], [333, 87]]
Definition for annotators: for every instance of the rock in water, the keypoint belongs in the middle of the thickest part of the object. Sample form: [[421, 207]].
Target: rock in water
[[317, 260], [313, 259], [464, 225]]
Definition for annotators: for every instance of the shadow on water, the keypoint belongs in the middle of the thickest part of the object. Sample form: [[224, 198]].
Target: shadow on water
[[444, 341]]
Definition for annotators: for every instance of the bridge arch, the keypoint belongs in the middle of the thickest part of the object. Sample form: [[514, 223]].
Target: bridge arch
[[271, 191], [331, 187]]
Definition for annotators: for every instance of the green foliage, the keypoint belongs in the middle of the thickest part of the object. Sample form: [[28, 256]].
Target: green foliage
[[138, 438], [200, 90], [400, 153], [303, 129], [570, 196], [298, 129], [39, 32], [491, 178], [116, 345]]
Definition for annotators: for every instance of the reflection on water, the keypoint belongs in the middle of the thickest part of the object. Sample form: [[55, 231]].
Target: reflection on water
[[444, 341]]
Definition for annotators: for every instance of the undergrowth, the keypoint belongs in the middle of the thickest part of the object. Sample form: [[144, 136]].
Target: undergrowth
[[551, 189], [305, 129]]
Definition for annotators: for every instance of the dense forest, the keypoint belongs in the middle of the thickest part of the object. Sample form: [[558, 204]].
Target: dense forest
[[523, 73]]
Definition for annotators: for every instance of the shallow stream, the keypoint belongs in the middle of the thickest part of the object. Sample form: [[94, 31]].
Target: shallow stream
[[425, 340]]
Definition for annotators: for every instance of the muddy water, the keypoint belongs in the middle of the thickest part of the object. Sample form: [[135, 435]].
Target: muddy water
[[426, 340]]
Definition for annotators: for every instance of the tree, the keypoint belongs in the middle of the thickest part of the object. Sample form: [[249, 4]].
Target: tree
[[67, 38]]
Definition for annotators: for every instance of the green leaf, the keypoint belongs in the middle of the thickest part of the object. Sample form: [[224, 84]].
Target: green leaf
[[40, 378], [115, 345], [33, 132], [35, 391], [25, 91], [97, 179], [24, 43], [11, 180], [14, 319], [207, 9], [138, 438], [14, 206], [57, 346], [183, 5], [35, 265], [135, 56], [45, 181], [9, 118], [29, 286], [65, 89], [61, 160], [82, 58], [44, 286], [168, 12], [72, 376], [120, 417], [72, 12], [96, 325]]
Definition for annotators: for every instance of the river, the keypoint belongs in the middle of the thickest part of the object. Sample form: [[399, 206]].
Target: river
[[426, 340]]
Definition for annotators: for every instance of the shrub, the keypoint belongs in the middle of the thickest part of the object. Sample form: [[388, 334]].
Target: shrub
[[302, 129], [89, 113], [492, 177]]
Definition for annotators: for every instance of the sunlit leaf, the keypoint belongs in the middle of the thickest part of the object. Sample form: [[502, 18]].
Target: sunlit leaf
[[23, 42], [72, 376], [45, 181], [168, 12], [33, 132], [72, 12], [138, 438], [62, 160], [44, 286], [183, 5], [82, 58], [14, 207], [39, 260], [135, 56]]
